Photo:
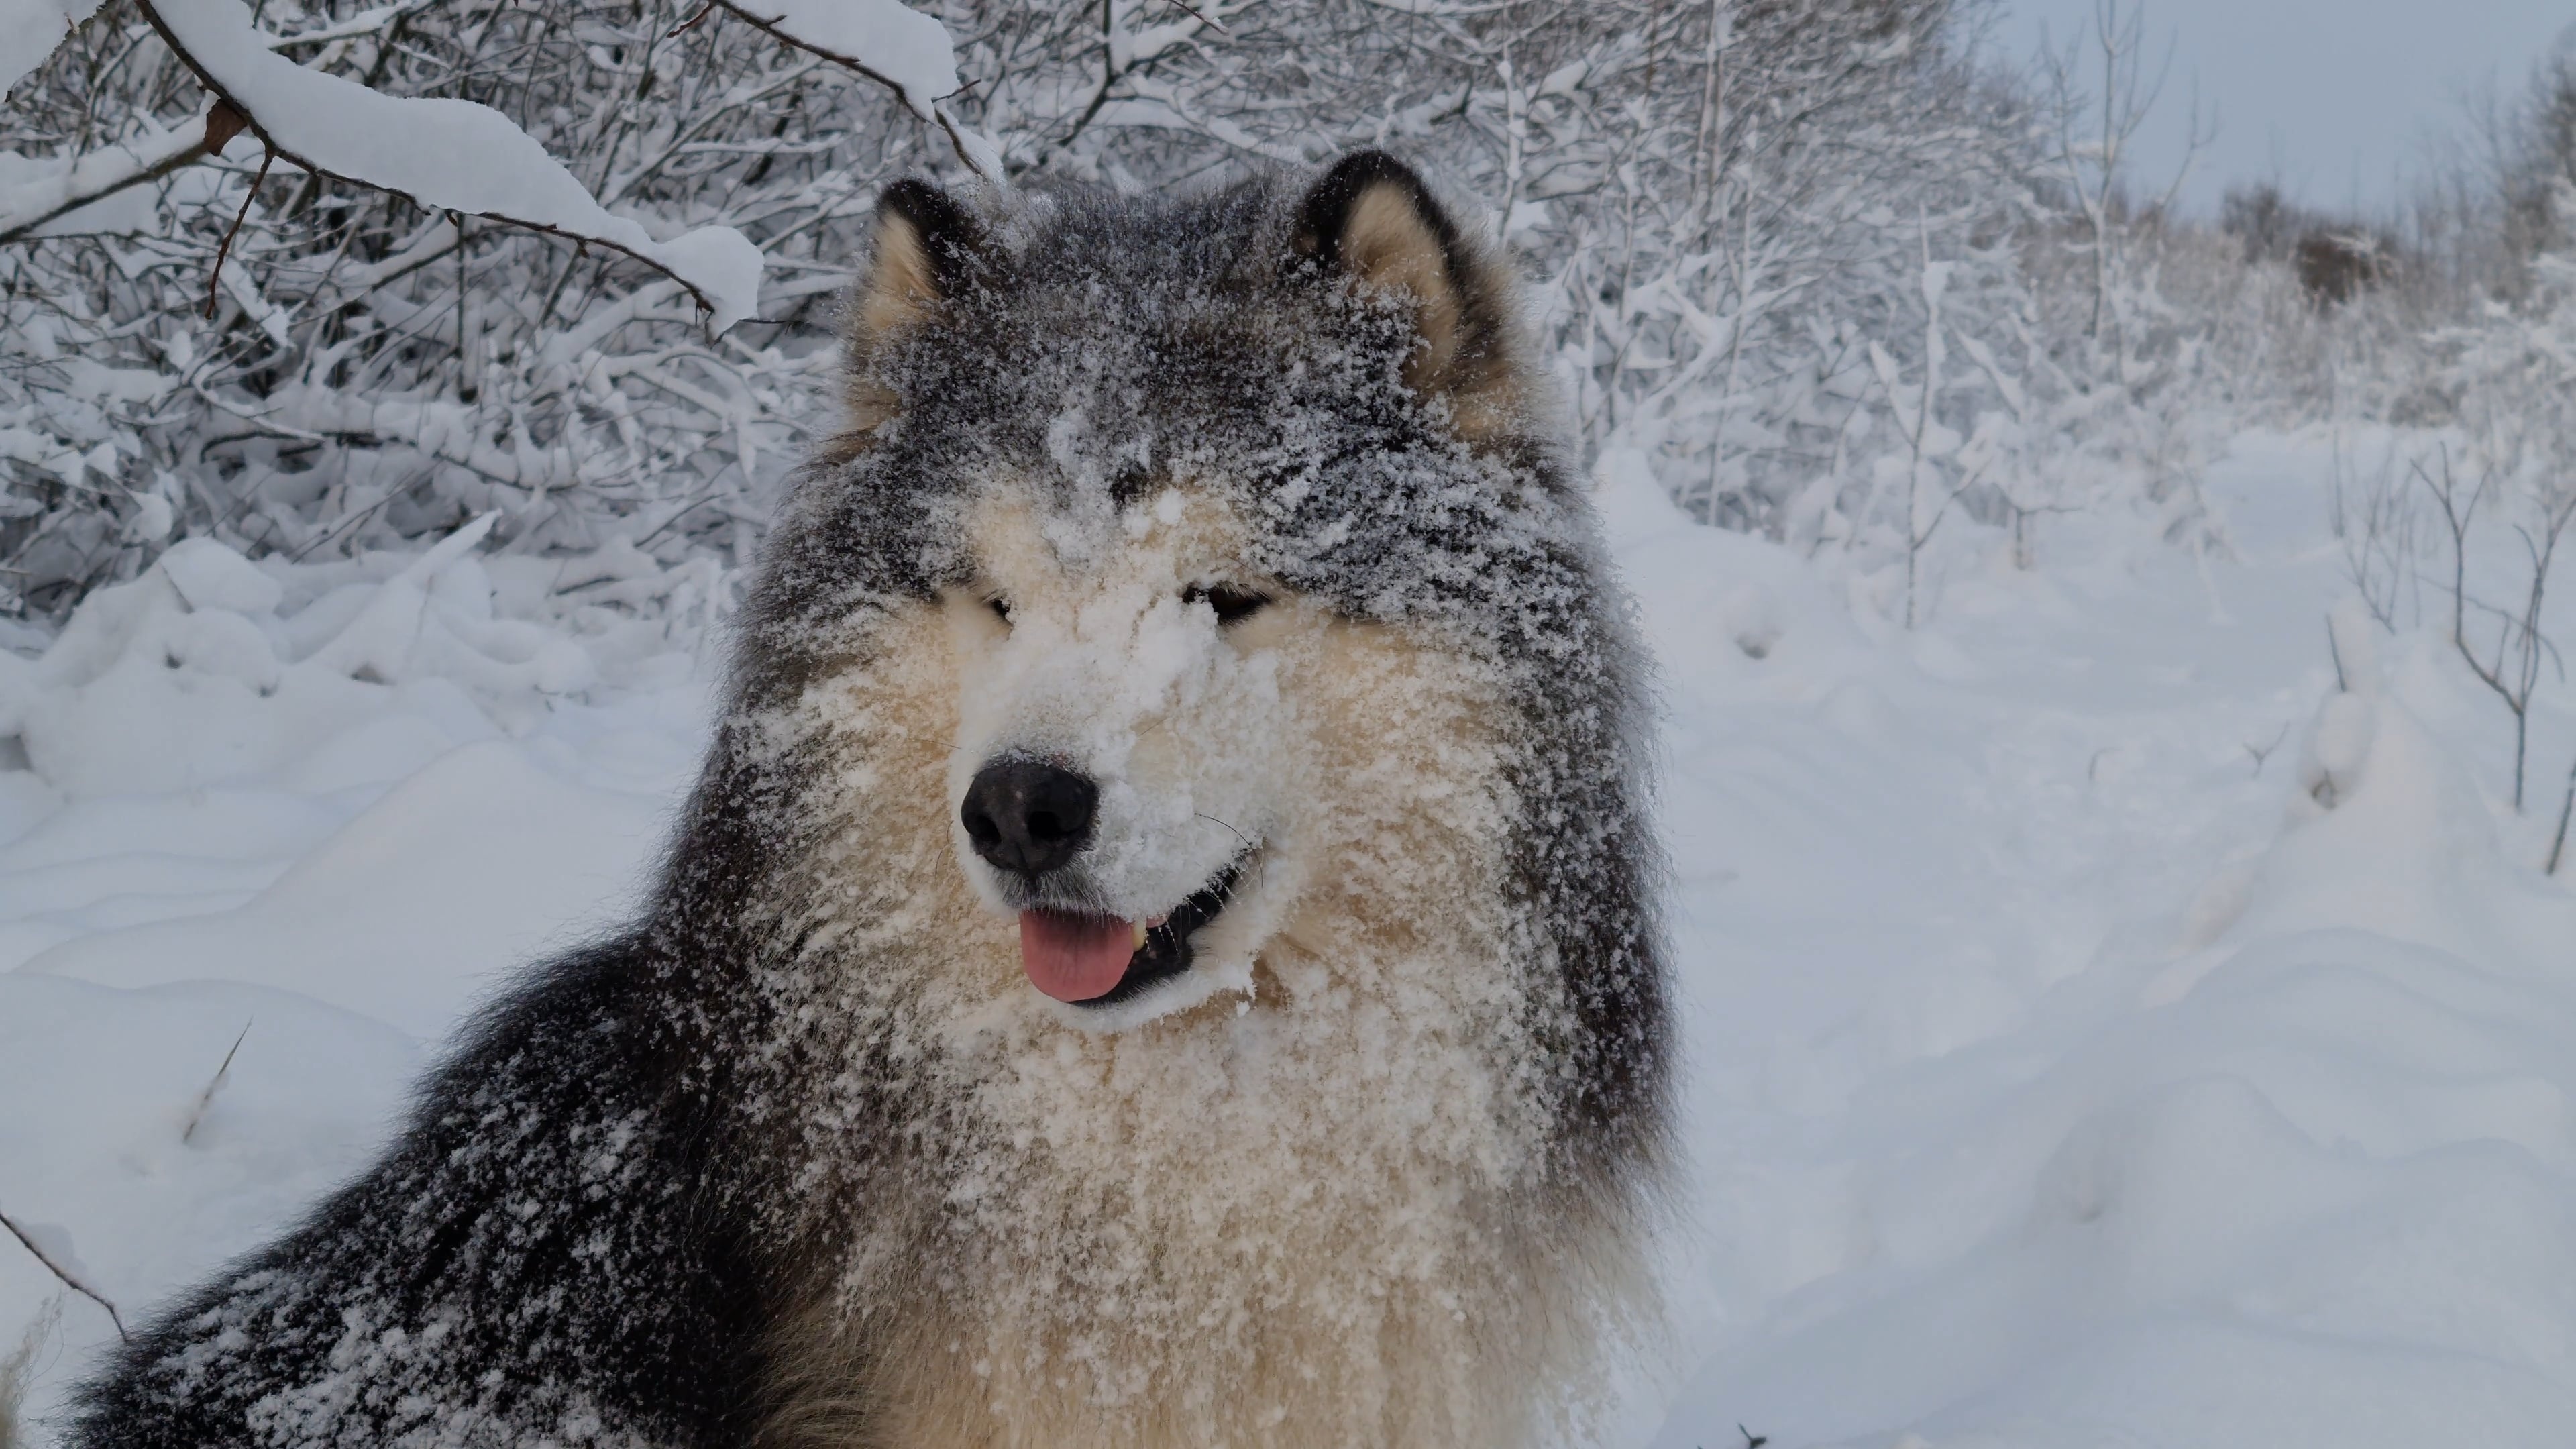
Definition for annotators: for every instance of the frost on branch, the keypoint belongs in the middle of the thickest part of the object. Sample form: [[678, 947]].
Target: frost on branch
[[448, 155]]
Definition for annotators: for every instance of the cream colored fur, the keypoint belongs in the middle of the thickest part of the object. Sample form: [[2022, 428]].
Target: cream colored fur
[[1299, 1212], [897, 292]]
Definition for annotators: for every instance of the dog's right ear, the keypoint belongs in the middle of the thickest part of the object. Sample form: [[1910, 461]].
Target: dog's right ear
[[929, 252]]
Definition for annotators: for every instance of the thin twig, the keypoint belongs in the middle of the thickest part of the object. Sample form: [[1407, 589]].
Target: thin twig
[[206, 1098], [266, 156], [2566, 810], [69, 1279], [1217, 26], [2264, 753]]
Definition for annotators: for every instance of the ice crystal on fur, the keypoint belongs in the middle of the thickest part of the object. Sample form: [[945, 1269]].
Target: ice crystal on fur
[[804, 1159]]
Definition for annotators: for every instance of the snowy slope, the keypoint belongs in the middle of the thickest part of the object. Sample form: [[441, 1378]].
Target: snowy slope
[[2061, 1074], [2064, 1079]]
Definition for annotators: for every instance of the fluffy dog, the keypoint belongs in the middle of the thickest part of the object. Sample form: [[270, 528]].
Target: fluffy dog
[[1163, 951]]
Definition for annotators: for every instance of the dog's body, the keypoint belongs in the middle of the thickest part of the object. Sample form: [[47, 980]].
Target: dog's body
[[1195, 586]]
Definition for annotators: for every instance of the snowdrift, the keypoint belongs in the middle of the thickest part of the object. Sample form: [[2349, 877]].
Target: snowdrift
[[2115, 1016]]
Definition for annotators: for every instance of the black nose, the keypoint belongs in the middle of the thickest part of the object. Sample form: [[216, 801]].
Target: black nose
[[1028, 816]]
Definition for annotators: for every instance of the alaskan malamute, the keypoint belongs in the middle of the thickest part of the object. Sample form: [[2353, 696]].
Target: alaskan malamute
[[1164, 949]]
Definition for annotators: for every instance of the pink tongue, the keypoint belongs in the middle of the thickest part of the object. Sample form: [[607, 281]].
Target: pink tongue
[[1074, 958]]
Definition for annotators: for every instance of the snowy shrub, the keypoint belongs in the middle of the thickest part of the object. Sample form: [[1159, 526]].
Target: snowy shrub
[[1844, 282], [1733, 209], [2455, 506], [362, 370]]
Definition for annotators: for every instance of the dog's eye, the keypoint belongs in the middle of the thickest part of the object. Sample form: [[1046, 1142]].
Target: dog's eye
[[1233, 605], [1000, 606]]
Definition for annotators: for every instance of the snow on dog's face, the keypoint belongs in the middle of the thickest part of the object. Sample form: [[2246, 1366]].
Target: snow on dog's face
[[1288, 546], [1129, 765], [1104, 439]]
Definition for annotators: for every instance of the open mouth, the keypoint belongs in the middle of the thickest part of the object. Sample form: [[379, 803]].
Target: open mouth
[[1102, 961]]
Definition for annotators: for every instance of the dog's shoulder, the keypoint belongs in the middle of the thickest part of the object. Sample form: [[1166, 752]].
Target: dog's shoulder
[[545, 1243]]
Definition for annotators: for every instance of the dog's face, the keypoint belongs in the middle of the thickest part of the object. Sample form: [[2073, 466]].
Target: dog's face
[[1211, 503], [1134, 751], [1183, 777]]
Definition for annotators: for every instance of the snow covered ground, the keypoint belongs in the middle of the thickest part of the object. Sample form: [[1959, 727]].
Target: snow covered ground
[[2104, 1031]]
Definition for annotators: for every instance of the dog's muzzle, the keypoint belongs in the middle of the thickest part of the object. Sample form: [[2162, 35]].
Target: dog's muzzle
[[1030, 818]]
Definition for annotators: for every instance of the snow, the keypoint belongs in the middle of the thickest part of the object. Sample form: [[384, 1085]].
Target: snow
[[2060, 1078], [2060, 1072], [446, 154], [29, 31], [902, 48]]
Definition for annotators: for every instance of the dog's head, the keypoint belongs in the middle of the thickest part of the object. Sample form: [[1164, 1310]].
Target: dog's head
[[1262, 584]]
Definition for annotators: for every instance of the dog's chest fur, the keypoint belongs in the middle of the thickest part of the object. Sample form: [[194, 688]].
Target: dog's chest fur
[[1234, 1242], [1306, 1218]]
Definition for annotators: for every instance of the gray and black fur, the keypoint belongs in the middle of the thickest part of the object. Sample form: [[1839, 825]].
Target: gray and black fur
[[605, 1203]]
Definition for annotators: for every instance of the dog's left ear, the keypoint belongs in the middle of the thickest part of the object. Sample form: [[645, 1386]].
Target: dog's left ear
[[1371, 217]]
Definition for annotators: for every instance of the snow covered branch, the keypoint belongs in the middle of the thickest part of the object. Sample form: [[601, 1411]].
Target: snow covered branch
[[446, 155], [31, 29], [27, 208], [903, 50], [30, 206]]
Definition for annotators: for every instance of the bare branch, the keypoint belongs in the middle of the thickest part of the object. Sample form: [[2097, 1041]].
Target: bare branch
[[216, 275], [2566, 810]]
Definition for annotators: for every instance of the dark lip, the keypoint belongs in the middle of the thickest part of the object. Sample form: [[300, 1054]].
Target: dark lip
[[1166, 952]]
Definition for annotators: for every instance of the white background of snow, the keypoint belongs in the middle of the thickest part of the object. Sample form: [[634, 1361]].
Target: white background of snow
[[2056, 1078]]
